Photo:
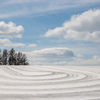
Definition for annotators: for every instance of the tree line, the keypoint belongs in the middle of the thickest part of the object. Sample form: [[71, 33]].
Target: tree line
[[12, 58]]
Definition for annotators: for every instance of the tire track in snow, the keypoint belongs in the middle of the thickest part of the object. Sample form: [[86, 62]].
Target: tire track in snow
[[49, 82]]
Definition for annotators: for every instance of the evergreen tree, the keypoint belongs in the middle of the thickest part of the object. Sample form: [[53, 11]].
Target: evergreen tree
[[18, 59], [4, 57], [24, 60], [21, 59], [12, 58], [1, 63]]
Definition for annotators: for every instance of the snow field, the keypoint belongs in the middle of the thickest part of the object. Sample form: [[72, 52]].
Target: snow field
[[49, 83]]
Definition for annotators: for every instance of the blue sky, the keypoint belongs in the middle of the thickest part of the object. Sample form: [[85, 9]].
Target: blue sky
[[62, 32]]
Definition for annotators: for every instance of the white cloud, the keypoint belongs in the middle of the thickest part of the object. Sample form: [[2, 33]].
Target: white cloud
[[10, 30], [89, 1], [31, 45], [38, 7], [44, 1], [49, 54], [94, 61], [21, 1], [35, 7], [60, 56], [8, 43], [85, 26]]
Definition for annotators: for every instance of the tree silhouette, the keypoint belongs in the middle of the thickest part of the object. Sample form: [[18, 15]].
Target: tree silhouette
[[12, 58], [1, 62], [4, 57]]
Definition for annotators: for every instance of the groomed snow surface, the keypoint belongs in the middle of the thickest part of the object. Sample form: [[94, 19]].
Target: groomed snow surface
[[49, 83]]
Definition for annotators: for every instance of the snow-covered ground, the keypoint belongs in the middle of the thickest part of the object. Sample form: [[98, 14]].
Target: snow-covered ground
[[49, 83]]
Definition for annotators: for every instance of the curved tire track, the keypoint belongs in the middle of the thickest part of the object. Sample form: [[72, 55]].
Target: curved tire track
[[49, 82]]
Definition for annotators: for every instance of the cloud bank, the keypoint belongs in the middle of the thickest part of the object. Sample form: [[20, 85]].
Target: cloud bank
[[94, 61], [49, 54], [85, 26], [60, 56]]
